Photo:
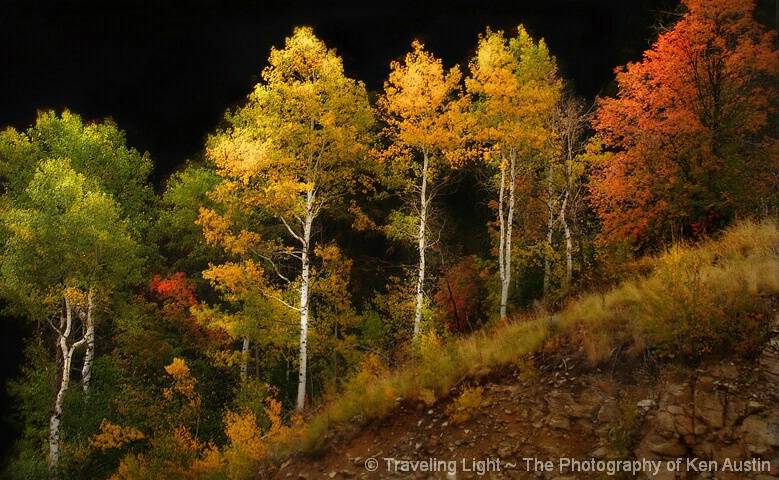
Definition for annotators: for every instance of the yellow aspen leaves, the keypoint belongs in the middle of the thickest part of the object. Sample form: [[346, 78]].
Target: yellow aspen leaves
[[114, 436]]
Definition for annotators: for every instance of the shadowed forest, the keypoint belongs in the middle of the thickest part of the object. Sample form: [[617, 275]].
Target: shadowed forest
[[333, 250]]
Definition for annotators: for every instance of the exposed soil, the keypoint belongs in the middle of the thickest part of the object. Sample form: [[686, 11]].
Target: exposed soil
[[554, 411], [539, 418]]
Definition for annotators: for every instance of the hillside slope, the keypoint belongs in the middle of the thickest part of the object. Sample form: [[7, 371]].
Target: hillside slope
[[680, 363], [721, 411]]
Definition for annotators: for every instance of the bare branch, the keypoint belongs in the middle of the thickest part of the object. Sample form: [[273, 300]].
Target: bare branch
[[292, 232]]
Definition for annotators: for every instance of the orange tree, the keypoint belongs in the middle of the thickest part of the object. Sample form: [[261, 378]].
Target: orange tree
[[690, 138]]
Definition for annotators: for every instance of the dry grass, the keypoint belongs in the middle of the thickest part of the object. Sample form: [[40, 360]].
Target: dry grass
[[712, 297]]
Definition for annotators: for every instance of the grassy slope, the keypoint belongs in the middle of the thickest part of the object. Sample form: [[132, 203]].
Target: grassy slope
[[713, 297]]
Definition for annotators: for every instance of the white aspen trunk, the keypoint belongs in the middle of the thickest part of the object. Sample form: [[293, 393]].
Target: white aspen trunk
[[502, 244], [244, 359], [549, 230], [89, 335], [66, 328], [506, 225], [568, 242], [304, 281], [422, 229]]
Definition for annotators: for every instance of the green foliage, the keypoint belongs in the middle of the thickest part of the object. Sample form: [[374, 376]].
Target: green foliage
[[31, 395], [97, 151], [394, 309], [623, 433], [177, 232], [68, 235]]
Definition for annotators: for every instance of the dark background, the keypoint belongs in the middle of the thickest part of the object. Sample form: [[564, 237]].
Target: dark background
[[166, 70]]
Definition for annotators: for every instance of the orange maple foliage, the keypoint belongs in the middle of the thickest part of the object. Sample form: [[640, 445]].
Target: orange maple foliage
[[689, 137], [176, 292]]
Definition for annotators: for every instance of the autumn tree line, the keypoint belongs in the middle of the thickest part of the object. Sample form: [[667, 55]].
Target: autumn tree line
[[174, 334]]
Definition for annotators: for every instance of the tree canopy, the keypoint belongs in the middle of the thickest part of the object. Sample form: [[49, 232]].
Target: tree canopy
[[691, 135]]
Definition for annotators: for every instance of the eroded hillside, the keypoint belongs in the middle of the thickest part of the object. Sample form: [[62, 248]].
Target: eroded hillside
[[552, 419]]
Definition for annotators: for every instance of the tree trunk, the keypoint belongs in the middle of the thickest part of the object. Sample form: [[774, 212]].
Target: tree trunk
[[89, 335], [506, 223], [568, 242], [244, 359], [549, 231], [423, 200], [304, 285], [66, 351]]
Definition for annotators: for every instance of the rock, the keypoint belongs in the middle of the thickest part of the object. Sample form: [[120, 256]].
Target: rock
[[675, 410], [646, 404], [759, 450], [759, 431], [769, 361], [754, 407], [735, 412], [664, 425], [722, 452], [561, 423], [726, 435], [669, 448], [709, 403], [701, 450], [681, 393], [683, 424], [600, 452], [728, 371], [505, 450]]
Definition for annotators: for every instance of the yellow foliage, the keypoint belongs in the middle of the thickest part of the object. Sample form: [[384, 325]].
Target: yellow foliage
[[74, 295], [204, 458], [114, 436], [279, 433], [465, 405], [371, 368], [210, 461], [244, 436], [430, 345], [247, 446], [427, 396], [424, 110], [181, 456], [184, 382]]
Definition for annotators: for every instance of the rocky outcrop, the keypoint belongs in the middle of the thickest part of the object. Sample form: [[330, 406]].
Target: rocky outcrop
[[720, 421], [725, 416]]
